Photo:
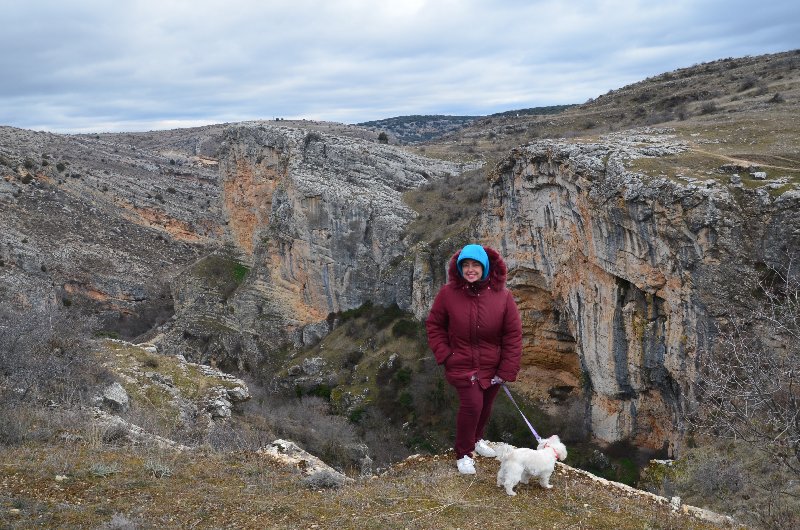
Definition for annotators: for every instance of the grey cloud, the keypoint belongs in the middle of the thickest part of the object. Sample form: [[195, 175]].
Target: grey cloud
[[71, 66]]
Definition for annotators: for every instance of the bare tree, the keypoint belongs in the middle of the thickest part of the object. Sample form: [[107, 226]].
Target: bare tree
[[750, 383], [44, 357]]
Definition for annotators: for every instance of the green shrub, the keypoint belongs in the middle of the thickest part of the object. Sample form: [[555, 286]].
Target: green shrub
[[106, 334], [405, 400], [403, 376], [356, 312], [709, 107], [322, 391], [406, 328], [356, 415], [239, 272], [387, 316], [222, 273]]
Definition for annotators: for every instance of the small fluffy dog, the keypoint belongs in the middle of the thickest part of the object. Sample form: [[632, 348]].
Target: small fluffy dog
[[520, 464]]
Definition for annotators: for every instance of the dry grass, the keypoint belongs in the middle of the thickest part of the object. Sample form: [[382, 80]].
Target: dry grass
[[446, 208], [755, 103], [245, 490], [731, 477]]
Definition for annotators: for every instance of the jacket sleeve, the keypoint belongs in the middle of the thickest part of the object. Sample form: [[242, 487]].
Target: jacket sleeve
[[511, 350], [437, 327]]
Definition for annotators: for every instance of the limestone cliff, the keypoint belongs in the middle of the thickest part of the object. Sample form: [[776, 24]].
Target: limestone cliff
[[621, 278], [316, 220]]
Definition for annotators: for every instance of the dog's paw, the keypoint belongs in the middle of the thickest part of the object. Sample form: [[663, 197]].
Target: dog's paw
[[511, 492], [548, 486]]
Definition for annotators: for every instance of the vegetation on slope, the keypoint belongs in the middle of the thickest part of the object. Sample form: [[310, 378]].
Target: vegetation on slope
[[64, 470], [92, 485], [740, 109]]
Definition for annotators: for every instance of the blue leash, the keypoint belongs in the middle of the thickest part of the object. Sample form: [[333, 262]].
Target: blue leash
[[508, 393]]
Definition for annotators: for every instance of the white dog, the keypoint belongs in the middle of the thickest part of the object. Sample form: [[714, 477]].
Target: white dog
[[520, 464]]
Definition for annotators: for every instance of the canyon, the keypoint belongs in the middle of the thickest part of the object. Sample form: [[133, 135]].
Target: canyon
[[241, 244]]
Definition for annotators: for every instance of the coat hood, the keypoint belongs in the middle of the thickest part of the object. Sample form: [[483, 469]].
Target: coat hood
[[497, 270]]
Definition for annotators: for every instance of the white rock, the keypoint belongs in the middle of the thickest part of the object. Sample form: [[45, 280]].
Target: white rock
[[115, 397], [316, 473]]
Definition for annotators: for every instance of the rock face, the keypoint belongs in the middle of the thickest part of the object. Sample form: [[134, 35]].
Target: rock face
[[316, 221], [621, 278], [96, 223]]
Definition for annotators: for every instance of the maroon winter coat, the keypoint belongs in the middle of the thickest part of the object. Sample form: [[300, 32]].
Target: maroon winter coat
[[475, 329]]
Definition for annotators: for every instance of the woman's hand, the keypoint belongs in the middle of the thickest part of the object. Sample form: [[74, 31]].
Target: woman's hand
[[496, 380]]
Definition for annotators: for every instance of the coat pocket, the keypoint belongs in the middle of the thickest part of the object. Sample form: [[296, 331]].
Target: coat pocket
[[458, 369], [461, 379]]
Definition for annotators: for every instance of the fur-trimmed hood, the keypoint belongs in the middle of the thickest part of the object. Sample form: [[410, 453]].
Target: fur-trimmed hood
[[497, 271]]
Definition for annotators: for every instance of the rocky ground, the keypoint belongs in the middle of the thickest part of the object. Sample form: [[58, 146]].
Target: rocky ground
[[78, 487]]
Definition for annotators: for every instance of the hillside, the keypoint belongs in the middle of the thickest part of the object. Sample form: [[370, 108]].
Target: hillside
[[301, 256], [733, 106], [70, 488], [420, 129], [106, 473]]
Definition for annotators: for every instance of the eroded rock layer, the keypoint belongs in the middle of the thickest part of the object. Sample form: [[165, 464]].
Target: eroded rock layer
[[621, 279]]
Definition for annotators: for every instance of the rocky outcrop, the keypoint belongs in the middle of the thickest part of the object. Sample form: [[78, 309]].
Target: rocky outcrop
[[191, 396], [621, 278], [316, 474], [114, 397], [316, 221]]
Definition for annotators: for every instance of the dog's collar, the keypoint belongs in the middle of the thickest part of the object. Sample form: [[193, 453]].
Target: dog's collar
[[552, 449]]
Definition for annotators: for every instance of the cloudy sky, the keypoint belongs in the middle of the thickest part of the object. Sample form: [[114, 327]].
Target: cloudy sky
[[131, 65]]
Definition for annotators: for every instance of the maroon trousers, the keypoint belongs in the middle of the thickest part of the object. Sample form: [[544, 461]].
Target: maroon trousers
[[475, 406]]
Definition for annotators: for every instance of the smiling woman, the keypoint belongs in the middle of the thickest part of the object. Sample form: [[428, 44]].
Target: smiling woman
[[475, 332]]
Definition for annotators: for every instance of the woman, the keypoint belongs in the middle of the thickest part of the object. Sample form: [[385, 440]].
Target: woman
[[474, 330]]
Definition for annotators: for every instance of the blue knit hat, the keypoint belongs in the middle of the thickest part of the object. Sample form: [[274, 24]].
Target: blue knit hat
[[477, 253]]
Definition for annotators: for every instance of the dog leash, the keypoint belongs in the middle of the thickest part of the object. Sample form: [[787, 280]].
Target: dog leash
[[535, 435]]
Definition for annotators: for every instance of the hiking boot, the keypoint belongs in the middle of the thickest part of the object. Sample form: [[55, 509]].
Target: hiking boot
[[466, 465], [483, 449]]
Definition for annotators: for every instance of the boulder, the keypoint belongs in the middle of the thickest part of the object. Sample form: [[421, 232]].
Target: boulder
[[115, 398], [316, 473], [313, 366]]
